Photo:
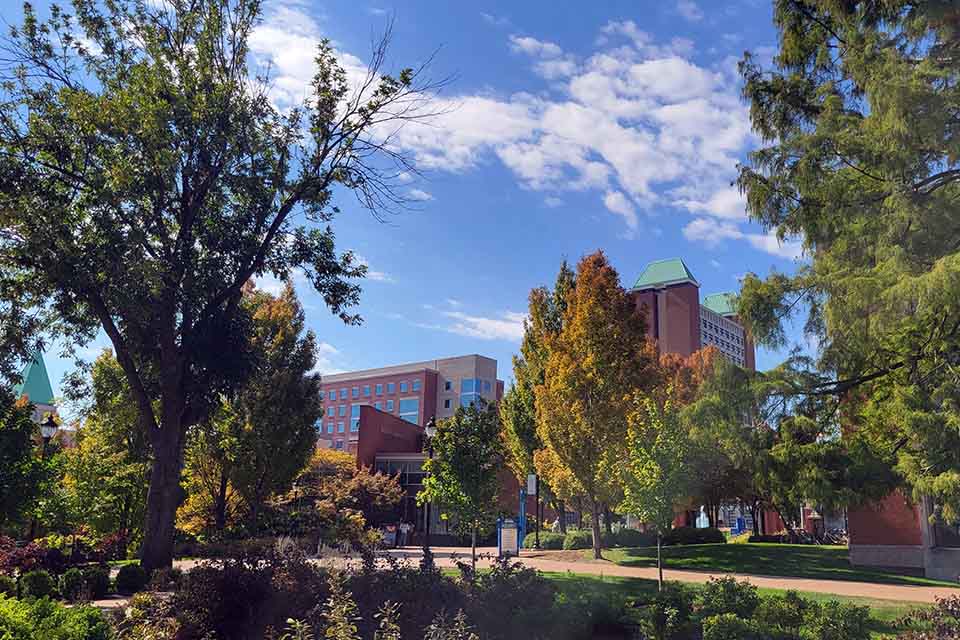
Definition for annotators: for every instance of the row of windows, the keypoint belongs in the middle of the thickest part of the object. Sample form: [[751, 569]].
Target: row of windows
[[354, 392]]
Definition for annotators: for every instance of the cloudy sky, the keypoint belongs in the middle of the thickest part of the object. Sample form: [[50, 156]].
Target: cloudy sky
[[567, 127]]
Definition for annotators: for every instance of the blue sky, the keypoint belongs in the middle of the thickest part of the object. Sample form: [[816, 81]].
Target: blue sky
[[568, 127]]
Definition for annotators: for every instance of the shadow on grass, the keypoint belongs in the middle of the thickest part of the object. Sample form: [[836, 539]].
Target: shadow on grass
[[784, 560]]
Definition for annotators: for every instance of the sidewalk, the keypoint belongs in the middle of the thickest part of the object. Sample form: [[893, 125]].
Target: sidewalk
[[554, 561]]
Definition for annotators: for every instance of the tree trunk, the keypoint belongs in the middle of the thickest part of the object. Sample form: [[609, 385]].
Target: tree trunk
[[163, 498], [659, 561], [595, 525], [608, 520], [755, 516], [220, 505], [473, 549], [561, 510]]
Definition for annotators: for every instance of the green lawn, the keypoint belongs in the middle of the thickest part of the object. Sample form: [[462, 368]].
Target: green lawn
[[787, 560], [882, 612]]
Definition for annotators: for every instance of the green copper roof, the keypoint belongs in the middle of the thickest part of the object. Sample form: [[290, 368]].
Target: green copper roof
[[35, 383], [663, 272], [722, 303]]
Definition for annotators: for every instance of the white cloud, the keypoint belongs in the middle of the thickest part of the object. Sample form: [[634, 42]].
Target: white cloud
[[553, 201], [726, 203], [689, 10], [373, 274], [419, 195], [326, 355], [506, 326], [713, 232], [456, 304], [618, 204], [377, 11], [496, 21], [534, 47]]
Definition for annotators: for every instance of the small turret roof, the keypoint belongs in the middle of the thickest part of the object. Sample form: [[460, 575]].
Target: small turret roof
[[721, 303], [35, 383]]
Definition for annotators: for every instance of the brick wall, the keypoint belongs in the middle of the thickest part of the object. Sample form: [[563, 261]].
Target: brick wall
[[892, 521]]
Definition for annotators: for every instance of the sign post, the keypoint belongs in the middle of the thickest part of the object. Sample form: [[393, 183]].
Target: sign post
[[508, 538]]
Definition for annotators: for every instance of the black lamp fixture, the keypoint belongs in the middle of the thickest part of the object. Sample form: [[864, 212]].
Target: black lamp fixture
[[430, 429]]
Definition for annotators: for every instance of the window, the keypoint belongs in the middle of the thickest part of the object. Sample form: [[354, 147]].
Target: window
[[378, 405], [403, 387], [469, 391], [338, 444], [355, 392], [390, 406], [332, 395], [329, 427], [410, 410], [416, 385], [379, 389], [366, 391], [486, 386], [343, 393], [339, 427], [354, 418], [391, 387], [468, 385], [446, 403], [343, 410], [331, 411], [447, 385]]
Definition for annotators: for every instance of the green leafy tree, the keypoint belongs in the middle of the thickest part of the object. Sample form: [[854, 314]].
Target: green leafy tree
[[21, 471], [657, 473], [106, 473], [147, 177], [599, 359], [463, 474], [859, 126]]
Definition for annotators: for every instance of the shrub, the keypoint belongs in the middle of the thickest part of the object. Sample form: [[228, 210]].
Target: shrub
[[940, 622], [509, 601], [8, 586], [692, 535], [781, 614], [37, 584], [668, 613], [727, 626], [548, 540], [835, 621], [165, 579], [726, 595], [71, 584], [578, 539], [634, 538], [131, 578], [96, 582], [50, 620]]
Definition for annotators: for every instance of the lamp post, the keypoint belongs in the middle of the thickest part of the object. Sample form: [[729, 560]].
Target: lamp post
[[48, 429], [431, 430]]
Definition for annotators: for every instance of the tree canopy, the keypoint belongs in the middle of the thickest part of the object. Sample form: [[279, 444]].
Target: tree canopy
[[860, 156]]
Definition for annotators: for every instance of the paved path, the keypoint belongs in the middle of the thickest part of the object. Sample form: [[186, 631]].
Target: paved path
[[559, 561]]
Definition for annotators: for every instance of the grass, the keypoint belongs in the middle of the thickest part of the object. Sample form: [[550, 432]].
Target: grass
[[820, 562], [883, 613]]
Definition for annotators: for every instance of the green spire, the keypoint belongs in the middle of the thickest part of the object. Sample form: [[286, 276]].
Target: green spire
[[721, 303], [35, 383], [664, 272]]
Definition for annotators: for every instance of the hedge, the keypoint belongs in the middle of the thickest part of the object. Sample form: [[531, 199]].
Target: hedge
[[548, 540], [578, 539], [692, 535]]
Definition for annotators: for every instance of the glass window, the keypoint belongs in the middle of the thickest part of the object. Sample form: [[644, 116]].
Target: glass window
[[403, 387], [416, 385], [355, 392], [340, 427], [446, 403], [390, 406], [366, 391], [338, 444], [332, 395], [447, 385], [410, 410], [467, 399], [343, 393], [343, 410], [329, 427], [331, 411], [354, 418], [468, 385], [486, 386], [391, 387], [379, 389], [378, 405]]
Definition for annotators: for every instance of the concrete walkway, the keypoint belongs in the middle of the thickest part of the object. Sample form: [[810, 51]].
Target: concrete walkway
[[560, 561]]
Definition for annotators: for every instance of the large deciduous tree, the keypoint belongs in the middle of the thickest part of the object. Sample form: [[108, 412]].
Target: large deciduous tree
[[146, 177], [463, 473], [597, 361], [21, 471], [859, 122]]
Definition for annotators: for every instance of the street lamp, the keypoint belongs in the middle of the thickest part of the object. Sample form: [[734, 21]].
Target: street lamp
[[431, 430], [48, 429]]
